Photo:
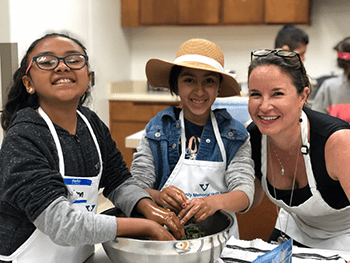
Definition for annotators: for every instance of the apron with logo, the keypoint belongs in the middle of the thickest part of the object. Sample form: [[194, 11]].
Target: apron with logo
[[313, 223], [83, 192], [201, 178]]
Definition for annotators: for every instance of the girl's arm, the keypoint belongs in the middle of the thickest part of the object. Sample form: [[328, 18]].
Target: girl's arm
[[139, 227], [142, 167], [258, 195]]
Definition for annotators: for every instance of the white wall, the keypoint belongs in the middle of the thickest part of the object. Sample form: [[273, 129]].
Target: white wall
[[4, 21], [95, 23], [4, 38], [330, 23]]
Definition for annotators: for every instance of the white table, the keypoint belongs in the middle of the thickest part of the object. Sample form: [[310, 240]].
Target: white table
[[100, 256]]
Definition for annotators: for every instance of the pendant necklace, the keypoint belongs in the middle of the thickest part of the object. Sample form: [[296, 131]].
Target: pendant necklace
[[283, 237], [282, 167]]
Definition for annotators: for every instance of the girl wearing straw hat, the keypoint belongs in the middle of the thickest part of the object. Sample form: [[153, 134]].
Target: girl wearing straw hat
[[193, 160]]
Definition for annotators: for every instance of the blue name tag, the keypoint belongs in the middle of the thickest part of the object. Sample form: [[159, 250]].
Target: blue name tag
[[77, 181], [79, 201]]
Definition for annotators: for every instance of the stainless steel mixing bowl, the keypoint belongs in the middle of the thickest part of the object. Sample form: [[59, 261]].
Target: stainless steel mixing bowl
[[204, 250]]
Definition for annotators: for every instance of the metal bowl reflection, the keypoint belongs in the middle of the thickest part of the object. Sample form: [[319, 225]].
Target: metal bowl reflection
[[205, 249]]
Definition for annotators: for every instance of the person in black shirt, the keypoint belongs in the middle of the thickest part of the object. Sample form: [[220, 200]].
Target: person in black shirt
[[301, 156]]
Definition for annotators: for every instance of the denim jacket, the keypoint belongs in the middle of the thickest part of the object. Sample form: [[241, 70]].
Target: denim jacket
[[163, 135]]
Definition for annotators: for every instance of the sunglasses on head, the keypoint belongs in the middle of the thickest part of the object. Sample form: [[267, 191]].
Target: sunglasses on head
[[278, 52]]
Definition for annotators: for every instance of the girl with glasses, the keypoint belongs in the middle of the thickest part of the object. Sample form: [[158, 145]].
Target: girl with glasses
[[301, 156], [55, 157]]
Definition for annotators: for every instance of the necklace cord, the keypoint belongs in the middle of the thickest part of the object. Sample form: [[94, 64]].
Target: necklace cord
[[273, 181]]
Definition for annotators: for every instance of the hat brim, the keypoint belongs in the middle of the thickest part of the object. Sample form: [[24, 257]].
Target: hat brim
[[158, 72]]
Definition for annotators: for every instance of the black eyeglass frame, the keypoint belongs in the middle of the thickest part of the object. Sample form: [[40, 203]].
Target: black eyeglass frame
[[35, 59]]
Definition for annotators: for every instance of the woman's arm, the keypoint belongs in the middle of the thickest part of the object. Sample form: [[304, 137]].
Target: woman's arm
[[337, 156]]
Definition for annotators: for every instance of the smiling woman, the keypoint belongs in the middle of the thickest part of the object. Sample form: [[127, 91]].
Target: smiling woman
[[301, 156]]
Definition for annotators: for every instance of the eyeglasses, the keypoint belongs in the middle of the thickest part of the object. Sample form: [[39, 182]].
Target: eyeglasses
[[49, 62]]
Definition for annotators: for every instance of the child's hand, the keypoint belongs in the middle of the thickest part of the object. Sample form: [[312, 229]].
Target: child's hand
[[197, 208], [162, 216], [142, 228], [172, 198], [159, 233]]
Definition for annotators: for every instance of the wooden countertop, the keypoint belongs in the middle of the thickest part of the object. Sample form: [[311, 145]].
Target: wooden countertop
[[133, 140], [137, 91], [157, 96]]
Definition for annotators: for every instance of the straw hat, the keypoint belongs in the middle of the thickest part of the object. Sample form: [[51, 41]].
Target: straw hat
[[197, 54]]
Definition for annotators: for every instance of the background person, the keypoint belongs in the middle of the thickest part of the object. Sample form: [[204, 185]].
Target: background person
[[193, 160], [292, 38], [333, 97], [55, 157], [301, 156]]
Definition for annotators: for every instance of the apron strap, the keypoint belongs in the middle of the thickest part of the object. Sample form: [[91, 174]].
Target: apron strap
[[93, 137], [55, 137], [58, 144]]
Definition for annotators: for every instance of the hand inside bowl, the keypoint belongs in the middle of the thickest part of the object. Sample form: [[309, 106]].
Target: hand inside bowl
[[163, 217]]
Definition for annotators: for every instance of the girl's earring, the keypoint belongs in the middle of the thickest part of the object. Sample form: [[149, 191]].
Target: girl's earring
[[89, 86], [30, 90], [218, 91]]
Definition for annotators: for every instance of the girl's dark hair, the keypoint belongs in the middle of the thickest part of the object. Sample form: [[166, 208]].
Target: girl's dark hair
[[343, 46], [173, 79], [293, 67], [18, 98]]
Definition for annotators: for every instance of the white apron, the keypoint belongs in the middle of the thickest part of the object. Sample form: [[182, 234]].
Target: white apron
[[201, 178], [83, 193], [313, 223]]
